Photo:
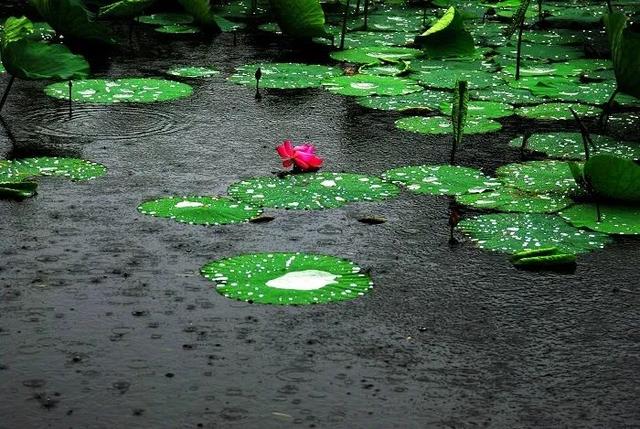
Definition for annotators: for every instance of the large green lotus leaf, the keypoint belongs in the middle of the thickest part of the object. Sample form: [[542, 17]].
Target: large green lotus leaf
[[129, 90], [193, 71], [625, 46], [200, 210], [613, 178], [285, 75], [505, 94], [441, 179], [539, 51], [567, 145], [446, 78], [164, 19], [423, 100], [287, 278], [178, 29], [125, 8], [372, 54], [507, 199], [614, 219], [485, 109], [385, 69], [70, 168], [18, 190], [557, 111], [301, 19], [26, 57], [31, 60], [363, 85], [577, 67], [514, 232], [555, 36], [72, 19], [539, 177], [368, 39], [442, 125], [447, 37], [311, 191]]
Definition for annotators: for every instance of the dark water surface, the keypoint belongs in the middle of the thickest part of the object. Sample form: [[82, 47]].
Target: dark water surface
[[106, 323]]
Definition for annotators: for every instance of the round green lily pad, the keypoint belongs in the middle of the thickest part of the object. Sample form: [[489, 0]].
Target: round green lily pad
[[178, 29], [557, 111], [540, 51], [71, 168], [287, 278], [423, 100], [441, 179], [539, 177], [385, 69], [505, 94], [614, 219], [507, 199], [566, 145], [442, 125], [486, 109], [311, 191], [363, 85], [446, 78], [514, 232], [285, 75], [373, 54], [367, 39], [193, 71], [162, 19], [128, 90], [200, 210]]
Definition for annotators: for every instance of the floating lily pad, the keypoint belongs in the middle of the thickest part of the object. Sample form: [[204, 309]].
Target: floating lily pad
[[71, 168], [162, 19], [505, 94], [367, 39], [446, 78], [557, 111], [425, 100], [507, 199], [128, 90], [514, 232], [539, 177], [540, 51], [372, 54], [363, 85], [564, 145], [614, 219], [288, 278], [441, 179], [193, 71], [385, 69], [178, 29], [442, 125], [485, 109], [200, 210], [311, 191], [285, 75]]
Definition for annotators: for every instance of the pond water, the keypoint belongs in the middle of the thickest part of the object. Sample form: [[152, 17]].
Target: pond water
[[105, 320]]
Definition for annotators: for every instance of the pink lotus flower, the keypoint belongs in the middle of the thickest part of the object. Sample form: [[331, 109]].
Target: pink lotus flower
[[301, 157]]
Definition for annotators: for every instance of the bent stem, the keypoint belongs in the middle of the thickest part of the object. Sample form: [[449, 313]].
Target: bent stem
[[6, 92], [344, 25], [586, 136], [606, 109]]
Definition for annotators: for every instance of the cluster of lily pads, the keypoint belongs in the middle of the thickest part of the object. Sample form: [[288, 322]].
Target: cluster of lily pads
[[445, 69]]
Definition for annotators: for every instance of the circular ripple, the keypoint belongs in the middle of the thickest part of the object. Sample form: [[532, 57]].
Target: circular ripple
[[121, 122]]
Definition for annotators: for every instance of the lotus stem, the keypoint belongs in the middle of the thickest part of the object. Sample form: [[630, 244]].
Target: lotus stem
[[6, 92], [519, 50], [606, 109], [366, 14], [344, 25], [609, 6], [525, 142], [540, 14], [598, 211], [254, 7], [258, 75], [586, 138], [12, 138], [70, 99], [424, 18], [357, 7]]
